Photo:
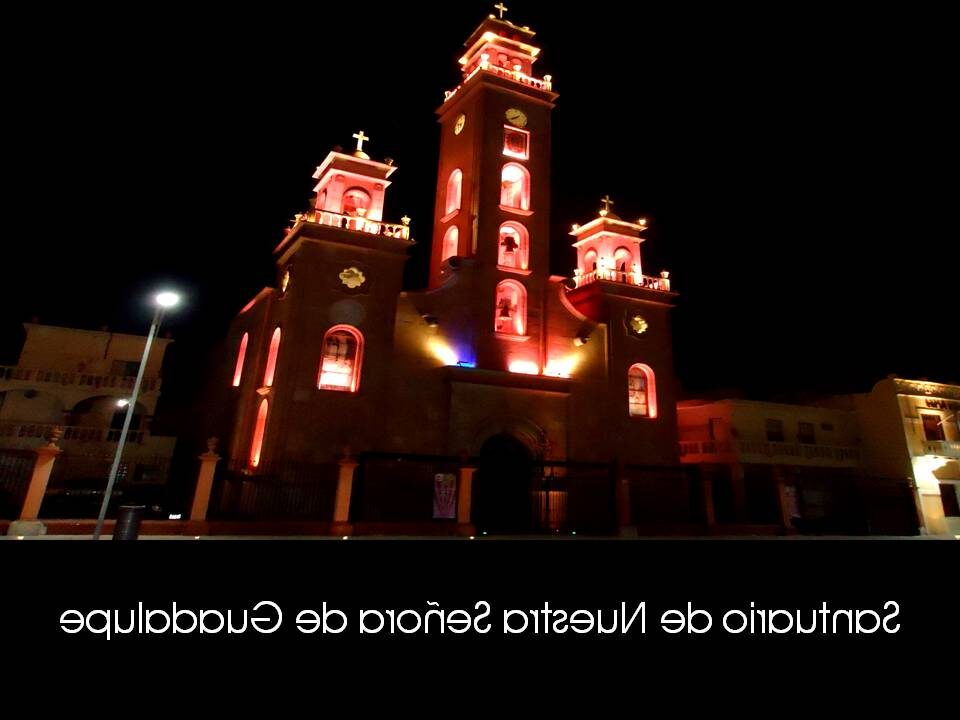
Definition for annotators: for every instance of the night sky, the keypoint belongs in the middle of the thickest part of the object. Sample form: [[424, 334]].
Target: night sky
[[793, 165]]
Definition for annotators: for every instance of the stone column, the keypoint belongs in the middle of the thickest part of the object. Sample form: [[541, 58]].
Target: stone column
[[930, 508], [465, 497], [709, 509], [46, 457], [341, 505], [786, 498], [201, 496], [625, 526], [739, 487]]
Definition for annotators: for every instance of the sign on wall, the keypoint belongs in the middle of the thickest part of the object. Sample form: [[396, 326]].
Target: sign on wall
[[444, 496]]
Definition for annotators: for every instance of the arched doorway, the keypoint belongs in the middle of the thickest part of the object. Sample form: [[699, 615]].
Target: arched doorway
[[501, 494]]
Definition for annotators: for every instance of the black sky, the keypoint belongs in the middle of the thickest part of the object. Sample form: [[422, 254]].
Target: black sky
[[797, 165]]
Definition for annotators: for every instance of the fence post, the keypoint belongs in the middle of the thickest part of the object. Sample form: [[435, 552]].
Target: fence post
[[709, 508], [465, 495], [341, 505], [786, 500], [208, 467], [42, 467], [621, 490]]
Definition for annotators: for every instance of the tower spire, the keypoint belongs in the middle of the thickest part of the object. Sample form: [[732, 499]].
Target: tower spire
[[360, 140], [607, 202]]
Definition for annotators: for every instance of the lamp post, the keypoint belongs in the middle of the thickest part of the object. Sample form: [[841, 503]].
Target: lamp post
[[163, 301]]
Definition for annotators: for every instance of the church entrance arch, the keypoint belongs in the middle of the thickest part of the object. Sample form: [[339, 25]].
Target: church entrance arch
[[501, 495]]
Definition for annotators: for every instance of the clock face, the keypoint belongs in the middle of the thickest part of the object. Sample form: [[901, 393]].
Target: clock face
[[637, 324], [461, 121], [516, 117]]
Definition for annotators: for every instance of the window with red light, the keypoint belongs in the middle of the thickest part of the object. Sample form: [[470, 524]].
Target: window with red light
[[356, 201], [590, 261], [451, 243], [259, 427], [342, 359], [641, 391], [511, 310], [241, 356], [514, 246], [515, 187], [623, 260], [271, 368], [454, 192], [516, 143]]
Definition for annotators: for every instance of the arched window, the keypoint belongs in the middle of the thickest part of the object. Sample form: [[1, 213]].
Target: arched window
[[515, 187], [451, 243], [356, 201], [590, 261], [623, 260], [511, 310], [642, 391], [241, 356], [514, 247], [271, 368], [454, 191], [342, 359], [256, 445]]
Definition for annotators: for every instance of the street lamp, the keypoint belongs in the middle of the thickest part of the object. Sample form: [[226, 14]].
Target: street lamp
[[164, 301]]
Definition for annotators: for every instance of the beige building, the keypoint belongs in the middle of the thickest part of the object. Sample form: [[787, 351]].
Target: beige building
[[80, 381], [911, 429], [775, 464], [883, 462]]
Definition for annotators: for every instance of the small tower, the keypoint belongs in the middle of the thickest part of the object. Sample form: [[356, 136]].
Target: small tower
[[492, 216], [608, 248], [303, 387], [608, 286]]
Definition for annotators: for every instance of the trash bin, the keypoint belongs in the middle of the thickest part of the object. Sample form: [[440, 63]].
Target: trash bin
[[128, 522]]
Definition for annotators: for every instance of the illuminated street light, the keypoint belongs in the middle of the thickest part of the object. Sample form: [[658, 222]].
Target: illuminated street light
[[164, 301]]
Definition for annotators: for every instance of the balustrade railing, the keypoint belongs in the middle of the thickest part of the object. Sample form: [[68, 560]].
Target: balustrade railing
[[355, 223], [546, 83], [944, 448], [61, 377], [836, 453], [71, 433], [628, 278]]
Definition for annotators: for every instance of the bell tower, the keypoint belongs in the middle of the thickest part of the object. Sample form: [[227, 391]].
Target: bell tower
[[491, 221]]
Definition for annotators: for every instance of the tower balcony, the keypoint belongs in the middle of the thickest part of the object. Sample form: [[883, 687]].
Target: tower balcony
[[28, 434], [353, 223], [31, 376], [943, 448], [764, 452], [518, 76], [661, 283]]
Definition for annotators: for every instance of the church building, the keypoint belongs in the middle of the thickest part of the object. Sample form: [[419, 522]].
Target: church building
[[496, 361]]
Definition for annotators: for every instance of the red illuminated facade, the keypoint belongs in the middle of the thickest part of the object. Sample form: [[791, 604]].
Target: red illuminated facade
[[574, 368]]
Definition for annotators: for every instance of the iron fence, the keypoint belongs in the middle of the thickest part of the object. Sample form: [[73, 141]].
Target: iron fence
[[278, 491], [16, 466]]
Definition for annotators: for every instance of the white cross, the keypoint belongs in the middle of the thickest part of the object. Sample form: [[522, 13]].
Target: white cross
[[502, 8], [607, 202], [360, 138]]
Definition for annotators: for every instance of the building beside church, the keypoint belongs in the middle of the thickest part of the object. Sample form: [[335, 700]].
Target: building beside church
[[911, 429], [76, 384], [496, 360], [884, 462]]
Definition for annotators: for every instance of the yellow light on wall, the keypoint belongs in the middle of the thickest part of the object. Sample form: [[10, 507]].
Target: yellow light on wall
[[562, 367], [924, 468], [524, 367], [442, 351]]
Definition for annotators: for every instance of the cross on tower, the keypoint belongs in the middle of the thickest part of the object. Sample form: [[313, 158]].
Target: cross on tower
[[502, 8], [607, 202], [360, 140]]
